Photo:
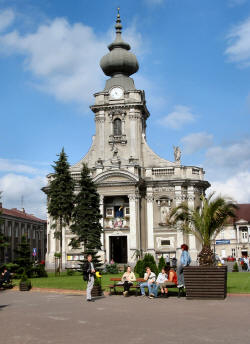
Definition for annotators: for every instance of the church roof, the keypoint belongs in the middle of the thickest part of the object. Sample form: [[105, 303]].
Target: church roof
[[119, 61]]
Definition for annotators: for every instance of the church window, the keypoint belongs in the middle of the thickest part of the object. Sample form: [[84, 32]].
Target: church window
[[117, 127], [127, 213], [109, 212], [165, 242]]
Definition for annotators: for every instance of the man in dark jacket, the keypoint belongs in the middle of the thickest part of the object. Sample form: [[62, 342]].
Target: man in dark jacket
[[88, 275], [5, 278]]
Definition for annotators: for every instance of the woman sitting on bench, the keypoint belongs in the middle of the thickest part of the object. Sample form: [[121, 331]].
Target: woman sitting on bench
[[172, 279], [128, 278]]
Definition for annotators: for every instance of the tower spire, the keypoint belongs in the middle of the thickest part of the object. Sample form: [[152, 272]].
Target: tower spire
[[118, 26], [119, 60]]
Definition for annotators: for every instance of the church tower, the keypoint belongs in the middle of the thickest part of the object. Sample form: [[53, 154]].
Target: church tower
[[137, 188]]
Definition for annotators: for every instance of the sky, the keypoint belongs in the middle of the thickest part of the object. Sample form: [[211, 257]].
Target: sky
[[194, 59]]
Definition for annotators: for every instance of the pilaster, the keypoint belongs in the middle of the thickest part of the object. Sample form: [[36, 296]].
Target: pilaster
[[150, 220]]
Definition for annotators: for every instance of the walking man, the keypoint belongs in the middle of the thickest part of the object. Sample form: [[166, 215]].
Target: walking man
[[88, 275]]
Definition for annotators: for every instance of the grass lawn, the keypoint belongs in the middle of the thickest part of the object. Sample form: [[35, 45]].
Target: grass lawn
[[238, 282]]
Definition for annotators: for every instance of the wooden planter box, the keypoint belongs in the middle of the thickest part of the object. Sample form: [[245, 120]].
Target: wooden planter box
[[96, 291], [23, 286], [203, 282]]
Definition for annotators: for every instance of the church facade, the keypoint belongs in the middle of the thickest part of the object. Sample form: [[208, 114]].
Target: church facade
[[137, 187]]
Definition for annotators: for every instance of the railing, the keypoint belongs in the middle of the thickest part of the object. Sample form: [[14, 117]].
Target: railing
[[116, 223]]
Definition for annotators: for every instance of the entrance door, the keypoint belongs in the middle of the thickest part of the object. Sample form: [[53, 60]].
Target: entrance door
[[118, 249]]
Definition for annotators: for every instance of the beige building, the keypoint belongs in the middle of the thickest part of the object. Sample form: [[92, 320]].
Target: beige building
[[234, 239], [137, 187]]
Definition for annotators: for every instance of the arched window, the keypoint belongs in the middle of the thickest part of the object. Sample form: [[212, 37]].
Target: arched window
[[117, 126]]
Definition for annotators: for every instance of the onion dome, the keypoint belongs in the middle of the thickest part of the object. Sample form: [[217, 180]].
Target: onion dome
[[119, 60]]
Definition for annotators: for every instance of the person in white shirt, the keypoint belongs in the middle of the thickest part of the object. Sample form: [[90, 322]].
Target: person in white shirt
[[161, 279], [149, 278]]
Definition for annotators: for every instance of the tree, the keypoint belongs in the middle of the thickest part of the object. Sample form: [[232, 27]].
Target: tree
[[86, 217], [23, 259], [61, 197], [161, 263], [205, 222], [149, 261], [3, 240]]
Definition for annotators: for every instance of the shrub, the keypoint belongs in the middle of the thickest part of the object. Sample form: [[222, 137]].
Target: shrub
[[112, 268], [70, 272], [161, 263], [39, 271], [149, 261], [139, 268], [235, 267]]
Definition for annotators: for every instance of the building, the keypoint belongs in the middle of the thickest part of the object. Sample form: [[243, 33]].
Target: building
[[137, 187], [16, 223], [234, 239]]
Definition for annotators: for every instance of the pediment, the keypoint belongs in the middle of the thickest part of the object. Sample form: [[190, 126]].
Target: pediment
[[116, 177]]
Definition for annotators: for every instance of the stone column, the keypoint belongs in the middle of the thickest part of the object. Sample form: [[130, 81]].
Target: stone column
[[64, 250], [150, 220], [133, 227], [237, 241], [191, 238], [179, 241], [100, 133], [134, 144], [103, 248]]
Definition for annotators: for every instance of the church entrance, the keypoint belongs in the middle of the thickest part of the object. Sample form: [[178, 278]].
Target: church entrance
[[118, 249]]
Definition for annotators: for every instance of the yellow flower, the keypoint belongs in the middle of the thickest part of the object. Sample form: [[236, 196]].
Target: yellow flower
[[98, 274]]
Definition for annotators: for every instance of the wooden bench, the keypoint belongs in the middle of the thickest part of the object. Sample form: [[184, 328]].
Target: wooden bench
[[136, 286]]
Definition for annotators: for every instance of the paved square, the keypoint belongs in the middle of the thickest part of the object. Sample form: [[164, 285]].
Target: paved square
[[39, 318]]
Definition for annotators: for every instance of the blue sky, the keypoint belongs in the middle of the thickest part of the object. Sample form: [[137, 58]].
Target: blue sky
[[194, 61]]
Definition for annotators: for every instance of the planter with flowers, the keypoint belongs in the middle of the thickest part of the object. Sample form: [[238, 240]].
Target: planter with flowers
[[97, 288]]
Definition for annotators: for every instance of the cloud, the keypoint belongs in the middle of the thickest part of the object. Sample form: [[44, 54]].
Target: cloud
[[238, 41], [6, 19], [234, 156], [13, 166], [195, 142], [237, 187], [15, 187], [178, 118], [64, 58], [234, 3]]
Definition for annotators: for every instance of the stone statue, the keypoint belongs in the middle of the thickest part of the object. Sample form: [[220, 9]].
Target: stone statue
[[177, 153]]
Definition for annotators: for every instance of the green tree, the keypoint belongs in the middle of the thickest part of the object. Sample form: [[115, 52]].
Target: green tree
[[161, 263], [149, 261], [86, 217], [205, 222], [61, 197], [23, 259], [3, 240]]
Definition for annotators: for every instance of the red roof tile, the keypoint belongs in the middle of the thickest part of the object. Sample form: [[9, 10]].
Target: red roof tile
[[21, 214], [243, 212]]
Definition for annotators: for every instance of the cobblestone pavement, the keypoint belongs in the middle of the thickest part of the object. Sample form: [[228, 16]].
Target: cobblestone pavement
[[50, 318]]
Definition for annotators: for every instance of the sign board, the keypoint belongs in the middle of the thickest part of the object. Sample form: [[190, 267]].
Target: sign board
[[34, 252], [222, 242]]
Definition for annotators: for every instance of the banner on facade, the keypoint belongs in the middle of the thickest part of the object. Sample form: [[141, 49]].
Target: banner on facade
[[222, 242]]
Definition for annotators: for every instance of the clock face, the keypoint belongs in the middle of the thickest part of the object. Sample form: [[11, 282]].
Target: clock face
[[116, 93]]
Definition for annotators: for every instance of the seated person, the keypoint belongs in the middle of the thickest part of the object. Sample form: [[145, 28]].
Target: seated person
[[128, 278], [160, 282], [5, 278], [149, 277], [172, 278]]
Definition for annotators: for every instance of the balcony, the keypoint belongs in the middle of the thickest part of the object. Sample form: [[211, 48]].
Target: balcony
[[116, 223]]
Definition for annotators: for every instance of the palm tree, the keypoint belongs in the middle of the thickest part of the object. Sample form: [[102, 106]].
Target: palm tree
[[205, 222]]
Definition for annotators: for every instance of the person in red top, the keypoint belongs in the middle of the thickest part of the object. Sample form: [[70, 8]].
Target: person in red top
[[172, 278]]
